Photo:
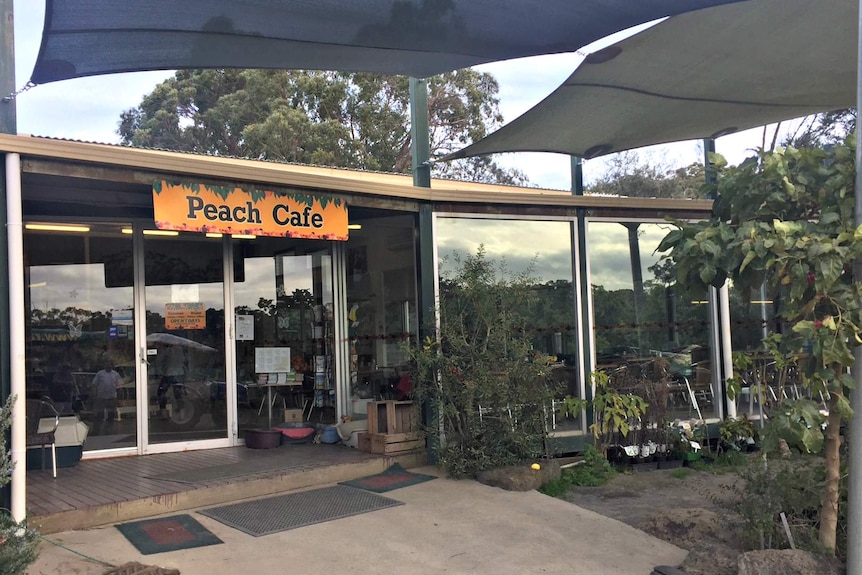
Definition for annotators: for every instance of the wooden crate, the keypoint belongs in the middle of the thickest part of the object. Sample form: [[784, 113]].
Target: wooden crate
[[363, 442], [396, 443], [387, 417]]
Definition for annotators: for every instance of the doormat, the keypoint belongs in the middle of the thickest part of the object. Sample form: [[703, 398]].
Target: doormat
[[395, 477], [283, 512], [167, 534]]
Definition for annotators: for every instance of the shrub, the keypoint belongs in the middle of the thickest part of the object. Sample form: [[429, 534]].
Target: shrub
[[18, 544]]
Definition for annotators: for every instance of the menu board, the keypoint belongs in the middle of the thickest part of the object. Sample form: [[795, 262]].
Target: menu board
[[271, 359]]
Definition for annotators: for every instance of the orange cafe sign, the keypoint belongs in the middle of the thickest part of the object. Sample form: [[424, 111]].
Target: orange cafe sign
[[230, 210]]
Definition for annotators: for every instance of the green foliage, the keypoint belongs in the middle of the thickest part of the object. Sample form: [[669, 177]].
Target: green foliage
[[794, 487], [798, 422], [337, 119], [785, 220], [594, 471], [18, 543], [733, 432], [488, 388], [613, 412]]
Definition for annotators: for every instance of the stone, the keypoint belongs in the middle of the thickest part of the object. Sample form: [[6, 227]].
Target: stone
[[521, 477], [786, 562]]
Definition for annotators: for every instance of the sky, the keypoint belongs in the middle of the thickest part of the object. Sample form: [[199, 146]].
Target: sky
[[89, 108]]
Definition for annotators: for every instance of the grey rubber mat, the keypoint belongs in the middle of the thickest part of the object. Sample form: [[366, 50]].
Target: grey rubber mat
[[283, 512]]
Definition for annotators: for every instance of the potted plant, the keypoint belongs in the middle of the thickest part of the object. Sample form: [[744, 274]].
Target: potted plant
[[615, 414], [737, 434]]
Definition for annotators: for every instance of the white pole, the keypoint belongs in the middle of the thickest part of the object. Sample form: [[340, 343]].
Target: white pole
[[726, 344], [854, 499], [15, 256]]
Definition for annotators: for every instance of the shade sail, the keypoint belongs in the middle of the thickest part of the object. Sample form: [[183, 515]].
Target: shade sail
[[412, 37], [696, 75]]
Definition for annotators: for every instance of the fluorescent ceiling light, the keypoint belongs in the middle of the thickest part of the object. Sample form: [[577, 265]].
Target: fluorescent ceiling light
[[127, 231], [354, 226], [213, 235], [160, 233], [38, 284], [243, 236], [57, 228]]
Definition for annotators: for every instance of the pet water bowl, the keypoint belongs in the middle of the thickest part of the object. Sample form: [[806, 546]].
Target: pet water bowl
[[262, 438]]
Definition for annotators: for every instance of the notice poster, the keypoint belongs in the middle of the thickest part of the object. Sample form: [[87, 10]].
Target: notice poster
[[271, 359], [185, 316], [244, 327]]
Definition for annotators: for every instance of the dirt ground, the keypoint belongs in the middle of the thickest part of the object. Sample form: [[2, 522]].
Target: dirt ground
[[688, 508]]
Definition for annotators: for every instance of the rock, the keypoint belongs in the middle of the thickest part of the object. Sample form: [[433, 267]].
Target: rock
[[787, 562], [521, 477]]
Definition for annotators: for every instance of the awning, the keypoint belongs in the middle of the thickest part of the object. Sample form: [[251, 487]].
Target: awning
[[412, 37], [696, 75]]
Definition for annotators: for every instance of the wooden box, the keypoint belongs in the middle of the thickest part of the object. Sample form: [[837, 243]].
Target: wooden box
[[388, 417], [363, 442], [396, 443]]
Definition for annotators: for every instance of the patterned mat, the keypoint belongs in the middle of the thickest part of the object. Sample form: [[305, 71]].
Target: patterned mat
[[395, 477], [167, 534], [283, 512]]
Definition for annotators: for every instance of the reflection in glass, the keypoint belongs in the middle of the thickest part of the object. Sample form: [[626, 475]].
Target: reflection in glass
[[79, 322], [543, 250], [285, 300], [185, 338], [645, 324], [381, 304]]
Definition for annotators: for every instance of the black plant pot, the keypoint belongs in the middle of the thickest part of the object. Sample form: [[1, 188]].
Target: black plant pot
[[670, 464]]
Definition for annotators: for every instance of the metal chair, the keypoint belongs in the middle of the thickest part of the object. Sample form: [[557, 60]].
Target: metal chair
[[39, 434]]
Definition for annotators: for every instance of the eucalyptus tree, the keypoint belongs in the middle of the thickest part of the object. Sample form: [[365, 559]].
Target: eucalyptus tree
[[346, 120]]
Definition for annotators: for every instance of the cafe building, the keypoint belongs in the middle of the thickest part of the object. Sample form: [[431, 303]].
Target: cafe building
[[232, 294]]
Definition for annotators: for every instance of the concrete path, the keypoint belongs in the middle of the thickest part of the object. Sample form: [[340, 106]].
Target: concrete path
[[446, 526]]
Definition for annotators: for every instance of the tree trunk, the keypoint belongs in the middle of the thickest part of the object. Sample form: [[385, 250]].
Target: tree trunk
[[829, 504]]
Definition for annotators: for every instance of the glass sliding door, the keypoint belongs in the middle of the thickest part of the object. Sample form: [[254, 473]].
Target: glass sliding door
[[284, 300], [185, 337], [80, 350]]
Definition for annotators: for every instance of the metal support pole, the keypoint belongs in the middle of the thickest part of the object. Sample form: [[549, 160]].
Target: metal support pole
[[584, 295], [420, 155], [421, 145], [8, 125], [719, 304], [854, 499], [16, 341]]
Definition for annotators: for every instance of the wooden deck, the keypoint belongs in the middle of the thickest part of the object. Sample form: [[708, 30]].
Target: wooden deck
[[103, 491]]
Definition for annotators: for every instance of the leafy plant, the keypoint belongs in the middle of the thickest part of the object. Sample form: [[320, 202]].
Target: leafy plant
[[799, 423], [733, 433], [593, 471], [785, 220], [18, 543], [613, 412], [488, 389]]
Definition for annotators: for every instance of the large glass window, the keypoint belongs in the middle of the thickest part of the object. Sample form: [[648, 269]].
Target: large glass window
[[543, 249], [646, 325], [381, 304], [79, 322], [284, 301]]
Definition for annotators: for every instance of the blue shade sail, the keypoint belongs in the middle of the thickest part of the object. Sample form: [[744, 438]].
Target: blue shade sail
[[412, 37]]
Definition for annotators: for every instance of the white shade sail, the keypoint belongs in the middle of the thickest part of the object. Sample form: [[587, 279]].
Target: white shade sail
[[696, 75]]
